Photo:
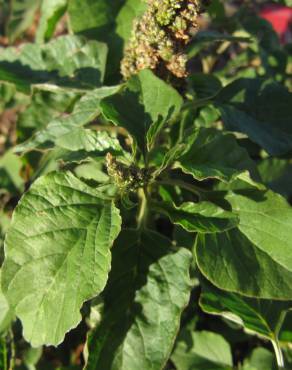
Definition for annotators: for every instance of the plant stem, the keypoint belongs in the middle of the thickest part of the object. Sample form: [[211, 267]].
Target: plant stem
[[4, 354], [275, 341], [143, 210], [12, 349], [278, 353]]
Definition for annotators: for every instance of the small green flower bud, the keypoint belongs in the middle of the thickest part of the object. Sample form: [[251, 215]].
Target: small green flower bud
[[126, 178]]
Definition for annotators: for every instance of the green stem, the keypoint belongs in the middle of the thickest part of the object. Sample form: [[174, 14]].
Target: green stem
[[278, 353], [143, 210], [275, 341], [12, 349], [4, 354]]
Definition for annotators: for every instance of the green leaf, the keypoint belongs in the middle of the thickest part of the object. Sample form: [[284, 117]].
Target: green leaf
[[204, 39], [57, 254], [261, 110], [208, 115], [225, 258], [203, 217], [22, 13], [10, 166], [261, 358], [43, 107], [148, 288], [215, 36], [285, 334], [267, 136], [91, 17], [266, 220], [60, 128], [131, 10], [51, 12], [121, 32], [260, 316], [88, 141], [209, 153], [204, 86], [277, 174], [271, 169], [4, 225], [67, 61], [7, 94], [143, 106], [82, 144], [202, 350], [91, 169], [110, 22]]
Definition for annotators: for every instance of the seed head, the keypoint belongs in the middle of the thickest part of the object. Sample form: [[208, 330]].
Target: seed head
[[160, 36]]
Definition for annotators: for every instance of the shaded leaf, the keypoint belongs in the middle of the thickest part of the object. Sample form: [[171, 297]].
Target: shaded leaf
[[225, 258], [204, 86], [261, 110], [60, 128], [203, 217], [285, 334], [152, 102], [107, 22], [277, 174], [204, 39], [82, 144], [88, 141], [266, 220], [215, 36], [10, 166], [121, 32], [209, 153], [91, 17], [274, 141], [67, 61], [261, 358], [43, 107], [148, 288], [202, 350], [260, 316]]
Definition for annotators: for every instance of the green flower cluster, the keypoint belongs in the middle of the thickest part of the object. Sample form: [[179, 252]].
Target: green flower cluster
[[126, 178], [159, 38]]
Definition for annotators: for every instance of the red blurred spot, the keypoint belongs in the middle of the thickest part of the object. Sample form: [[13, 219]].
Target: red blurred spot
[[280, 18]]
